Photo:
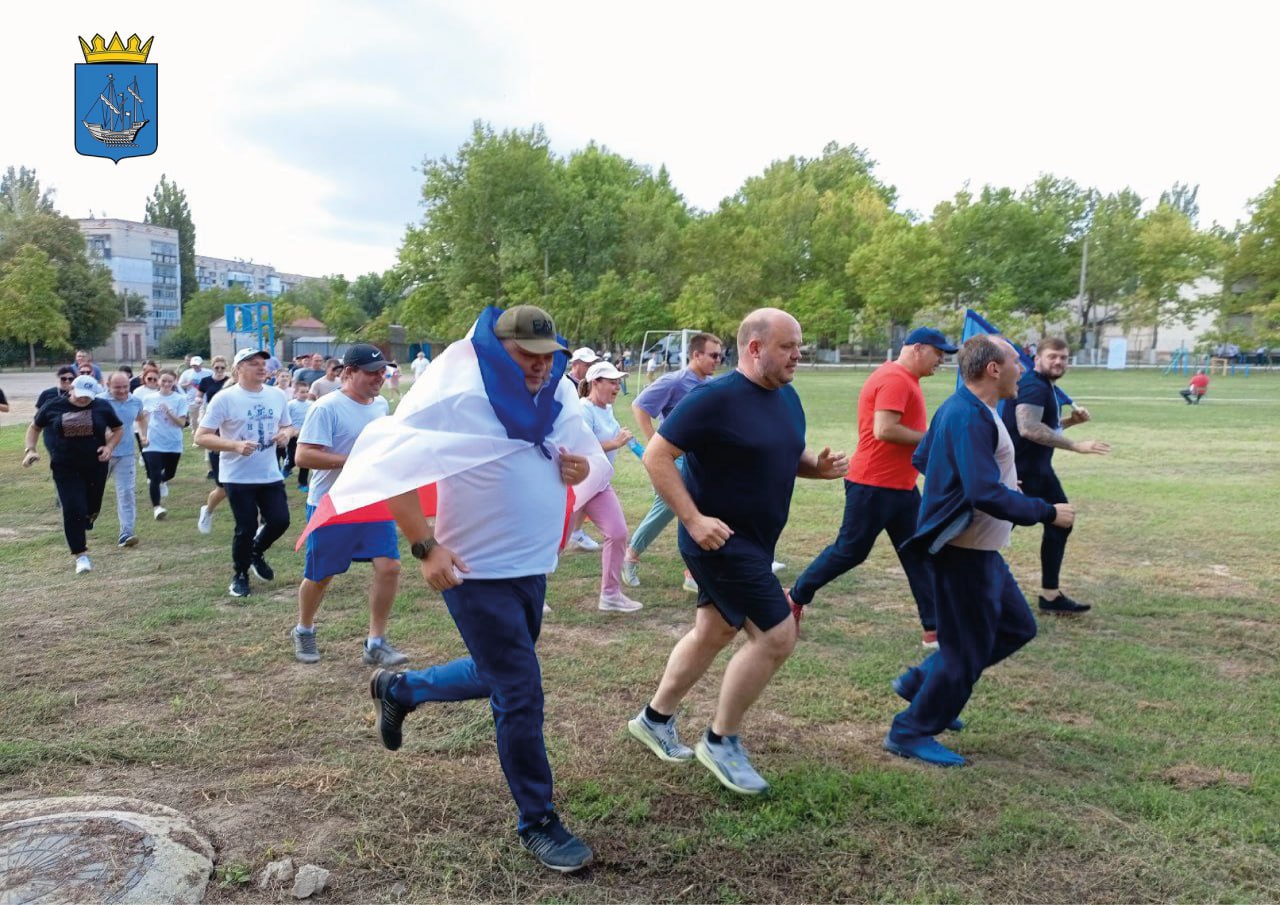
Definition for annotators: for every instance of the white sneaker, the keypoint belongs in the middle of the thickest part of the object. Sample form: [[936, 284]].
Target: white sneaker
[[619, 603], [546, 610], [778, 566], [82, 564], [164, 489], [205, 522], [160, 512], [690, 585], [580, 540]]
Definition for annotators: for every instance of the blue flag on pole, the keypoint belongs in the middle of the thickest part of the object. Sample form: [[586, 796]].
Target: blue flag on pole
[[975, 323]]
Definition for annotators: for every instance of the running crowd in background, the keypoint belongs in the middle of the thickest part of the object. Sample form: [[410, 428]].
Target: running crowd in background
[[986, 457]]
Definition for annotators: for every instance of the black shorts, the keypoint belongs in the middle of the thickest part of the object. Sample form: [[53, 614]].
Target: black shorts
[[738, 581], [214, 459]]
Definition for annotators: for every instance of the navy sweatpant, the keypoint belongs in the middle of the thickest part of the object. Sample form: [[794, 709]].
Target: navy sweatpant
[[499, 621], [982, 618], [867, 512]]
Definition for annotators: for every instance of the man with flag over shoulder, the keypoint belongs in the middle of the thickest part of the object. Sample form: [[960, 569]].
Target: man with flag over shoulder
[[496, 437]]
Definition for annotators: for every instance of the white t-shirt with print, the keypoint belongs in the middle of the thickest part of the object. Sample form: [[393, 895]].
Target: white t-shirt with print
[[238, 414]]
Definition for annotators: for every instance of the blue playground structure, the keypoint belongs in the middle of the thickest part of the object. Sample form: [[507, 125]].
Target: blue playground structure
[[256, 322]]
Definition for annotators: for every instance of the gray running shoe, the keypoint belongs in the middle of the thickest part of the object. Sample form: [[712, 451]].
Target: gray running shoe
[[383, 654], [631, 573], [661, 739], [304, 646], [729, 763]]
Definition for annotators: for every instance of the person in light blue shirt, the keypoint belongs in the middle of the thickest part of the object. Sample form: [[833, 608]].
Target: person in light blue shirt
[[123, 466], [658, 400]]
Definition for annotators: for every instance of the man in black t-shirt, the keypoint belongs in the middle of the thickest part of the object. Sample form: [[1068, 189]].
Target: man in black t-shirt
[[80, 433], [742, 437], [1035, 423]]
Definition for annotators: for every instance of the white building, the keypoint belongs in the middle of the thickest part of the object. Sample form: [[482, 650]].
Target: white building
[[143, 259]]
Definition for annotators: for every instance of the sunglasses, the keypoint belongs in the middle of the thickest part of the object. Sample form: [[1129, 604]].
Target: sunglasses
[[714, 356], [65, 377], [219, 367]]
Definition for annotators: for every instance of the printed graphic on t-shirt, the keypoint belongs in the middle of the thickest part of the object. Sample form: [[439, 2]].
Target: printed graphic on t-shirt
[[260, 424], [77, 424]]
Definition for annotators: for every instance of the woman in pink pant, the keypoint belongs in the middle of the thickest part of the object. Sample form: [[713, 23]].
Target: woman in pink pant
[[598, 389]]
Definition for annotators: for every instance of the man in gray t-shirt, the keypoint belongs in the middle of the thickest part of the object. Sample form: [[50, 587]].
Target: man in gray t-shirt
[[327, 436]]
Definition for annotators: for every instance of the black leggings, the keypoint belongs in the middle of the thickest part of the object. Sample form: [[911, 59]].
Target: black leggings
[[1053, 546], [80, 489], [161, 466], [249, 503]]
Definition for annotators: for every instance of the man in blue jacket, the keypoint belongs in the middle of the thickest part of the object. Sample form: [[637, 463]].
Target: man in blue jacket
[[971, 502]]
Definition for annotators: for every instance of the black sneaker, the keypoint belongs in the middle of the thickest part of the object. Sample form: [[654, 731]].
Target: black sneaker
[[239, 585], [1063, 604], [555, 846], [391, 713], [261, 571]]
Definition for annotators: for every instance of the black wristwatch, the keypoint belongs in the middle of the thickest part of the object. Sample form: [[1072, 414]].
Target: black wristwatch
[[422, 549]]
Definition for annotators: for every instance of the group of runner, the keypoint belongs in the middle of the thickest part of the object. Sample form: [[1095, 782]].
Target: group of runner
[[504, 409]]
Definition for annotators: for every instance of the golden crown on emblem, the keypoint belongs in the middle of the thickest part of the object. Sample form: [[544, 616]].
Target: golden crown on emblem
[[116, 52]]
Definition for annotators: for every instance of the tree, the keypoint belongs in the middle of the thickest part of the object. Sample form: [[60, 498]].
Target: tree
[[167, 206], [343, 317], [899, 271], [20, 196], [1251, 274], [30, 310], [84, 287], [1172, 255], [1014, 255], [490, 212]]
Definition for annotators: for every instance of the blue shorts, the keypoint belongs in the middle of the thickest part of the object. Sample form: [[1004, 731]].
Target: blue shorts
[[331, 550], [738, 581]]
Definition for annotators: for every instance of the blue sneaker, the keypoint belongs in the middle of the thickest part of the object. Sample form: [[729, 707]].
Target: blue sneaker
[[908, 688], [729, 763], [555, 847], [925, 749]]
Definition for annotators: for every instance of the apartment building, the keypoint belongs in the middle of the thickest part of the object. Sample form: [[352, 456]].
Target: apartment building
[[143, 259]]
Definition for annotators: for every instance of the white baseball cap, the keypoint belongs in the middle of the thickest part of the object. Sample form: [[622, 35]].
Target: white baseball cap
[[249, 353], [85, 387], [586, 353], [196, 360], [603, 369]]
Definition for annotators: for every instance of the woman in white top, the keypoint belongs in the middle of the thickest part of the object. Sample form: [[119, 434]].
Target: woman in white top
[[167, 411], [598, 389]]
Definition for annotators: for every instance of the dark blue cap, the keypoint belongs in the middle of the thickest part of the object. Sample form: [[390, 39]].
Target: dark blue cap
[[930, 337]]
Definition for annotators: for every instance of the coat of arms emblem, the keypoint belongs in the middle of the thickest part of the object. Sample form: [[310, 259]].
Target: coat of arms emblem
[[116, 99]]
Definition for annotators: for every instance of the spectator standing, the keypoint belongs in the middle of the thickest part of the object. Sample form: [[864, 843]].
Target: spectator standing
[[330, 382]]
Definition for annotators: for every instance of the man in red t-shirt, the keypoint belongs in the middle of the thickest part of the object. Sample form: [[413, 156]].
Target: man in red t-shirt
[[1199, 386], [880, 488]]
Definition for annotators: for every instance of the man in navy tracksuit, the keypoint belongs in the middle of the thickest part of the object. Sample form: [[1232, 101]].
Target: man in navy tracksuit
[[971, 502]]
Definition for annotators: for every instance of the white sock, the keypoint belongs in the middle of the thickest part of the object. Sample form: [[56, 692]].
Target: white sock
[[304, 630]]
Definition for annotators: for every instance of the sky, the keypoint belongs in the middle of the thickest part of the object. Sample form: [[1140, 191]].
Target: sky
[[298, 130]]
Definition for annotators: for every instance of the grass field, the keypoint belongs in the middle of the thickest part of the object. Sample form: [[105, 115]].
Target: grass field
[[1130, 755]]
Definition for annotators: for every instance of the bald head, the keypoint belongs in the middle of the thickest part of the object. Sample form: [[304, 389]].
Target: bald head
[[769, 347]]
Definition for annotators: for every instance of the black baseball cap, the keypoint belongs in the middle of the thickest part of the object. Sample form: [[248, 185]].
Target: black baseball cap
[[365, 357]]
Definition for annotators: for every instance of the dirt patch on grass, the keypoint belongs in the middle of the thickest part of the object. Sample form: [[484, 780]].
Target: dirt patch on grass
[[1193, 776]]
